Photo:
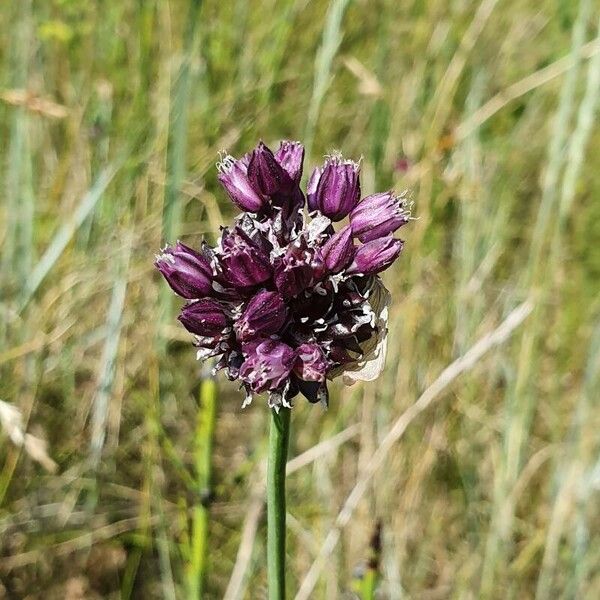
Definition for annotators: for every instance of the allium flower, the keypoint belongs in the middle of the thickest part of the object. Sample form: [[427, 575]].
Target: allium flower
[[334, 188], [265, 314], [205, 317], [187, 272], [287, 303], [266, 174], [233, 175], [378, 215], [290, 156], [375, 256], [338, 250], [243, 262]]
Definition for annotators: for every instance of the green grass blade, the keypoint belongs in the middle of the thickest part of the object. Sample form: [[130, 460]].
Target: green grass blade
[[332, 38], [196, 570], [65, 233]]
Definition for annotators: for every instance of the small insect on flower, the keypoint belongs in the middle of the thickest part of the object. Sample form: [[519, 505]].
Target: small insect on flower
[[287, 303]]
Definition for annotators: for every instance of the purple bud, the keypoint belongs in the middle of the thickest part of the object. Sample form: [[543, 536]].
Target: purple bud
[[205, 318], [265, 314], [311, 364], [298, 268], [311, 188], [266, 175], [244, 262], [187, 272], [290, 155], [338, 250], [268, 364], [375, 256], [233, 175], [338, 189], [378, 215]]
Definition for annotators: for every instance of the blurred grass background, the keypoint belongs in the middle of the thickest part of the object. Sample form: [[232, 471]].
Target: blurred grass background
[[111, 117]]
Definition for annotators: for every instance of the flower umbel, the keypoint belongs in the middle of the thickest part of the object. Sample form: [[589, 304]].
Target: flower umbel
[[287, 303]]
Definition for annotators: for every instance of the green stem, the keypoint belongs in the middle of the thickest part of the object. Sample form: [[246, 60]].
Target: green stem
[[278, 448], [367, 588], [204, 443]]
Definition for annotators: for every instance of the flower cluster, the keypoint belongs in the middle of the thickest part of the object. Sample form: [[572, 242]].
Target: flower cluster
[[284, 303]]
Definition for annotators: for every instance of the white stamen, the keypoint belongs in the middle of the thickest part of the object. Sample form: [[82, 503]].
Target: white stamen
[[225, 162]]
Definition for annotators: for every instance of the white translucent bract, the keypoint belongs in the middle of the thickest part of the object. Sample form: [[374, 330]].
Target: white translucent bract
[[371, 364]]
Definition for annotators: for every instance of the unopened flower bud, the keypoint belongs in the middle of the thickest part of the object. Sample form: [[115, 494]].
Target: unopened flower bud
[[378, 215], [205, 318], [375, 256], [265, 314], [266, 174], [338, 188], [233, 175], [338, 250], [290, 155], [187, 272]]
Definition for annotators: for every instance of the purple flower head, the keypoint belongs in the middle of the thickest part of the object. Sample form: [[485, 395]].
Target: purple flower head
[[378, 215], [187, 272], [286, 303], [233, 175], [264, 315], [337, 188], [375, 256]]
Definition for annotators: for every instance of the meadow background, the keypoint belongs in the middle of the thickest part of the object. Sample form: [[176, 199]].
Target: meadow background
[[112, 115]]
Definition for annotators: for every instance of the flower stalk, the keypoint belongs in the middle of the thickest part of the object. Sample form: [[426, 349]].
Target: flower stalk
[[279, 435]]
